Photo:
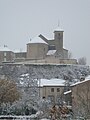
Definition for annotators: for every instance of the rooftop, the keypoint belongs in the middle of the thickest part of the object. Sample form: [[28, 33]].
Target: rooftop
[[67, 92], [86, 79], [4, 48], [37, 40], [58, 29], [51, 52], [51, 82]]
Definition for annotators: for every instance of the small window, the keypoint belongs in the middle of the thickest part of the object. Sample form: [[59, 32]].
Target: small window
[[58, 34], [5, 54], [5, 60], [44, 49], [43, 97], [52, 89], [58, 89]]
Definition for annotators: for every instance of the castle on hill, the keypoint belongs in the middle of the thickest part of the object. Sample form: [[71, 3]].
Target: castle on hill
[[40, 50]]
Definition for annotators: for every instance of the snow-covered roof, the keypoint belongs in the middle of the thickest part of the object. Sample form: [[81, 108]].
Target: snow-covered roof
[[51, 52], [37, 40], [58, 29], [67, 92], [19, 51], [4, 49], [86, 79], [51, 82]]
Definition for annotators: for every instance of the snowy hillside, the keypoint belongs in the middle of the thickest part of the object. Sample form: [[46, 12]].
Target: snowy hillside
[[27, 76], [68, 72]]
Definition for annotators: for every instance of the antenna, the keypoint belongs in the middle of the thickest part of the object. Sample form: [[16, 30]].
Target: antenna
[[58, 23], [5, 45]]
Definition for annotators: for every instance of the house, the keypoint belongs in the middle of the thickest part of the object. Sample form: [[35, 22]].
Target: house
[[6, 55], [52, 89], [79, 97]]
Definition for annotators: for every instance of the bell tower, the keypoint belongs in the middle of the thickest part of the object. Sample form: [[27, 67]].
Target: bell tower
[[58, 38]]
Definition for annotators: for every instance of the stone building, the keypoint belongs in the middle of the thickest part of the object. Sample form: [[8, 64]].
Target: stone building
[[81, 98], [37, 49], [41, 50], [57, 44], [6, 55], [40, 47], [20, 56], [52, 89]]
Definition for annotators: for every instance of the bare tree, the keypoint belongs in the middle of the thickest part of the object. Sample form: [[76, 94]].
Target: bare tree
[[69, 55], [8, 91], [82, 61]]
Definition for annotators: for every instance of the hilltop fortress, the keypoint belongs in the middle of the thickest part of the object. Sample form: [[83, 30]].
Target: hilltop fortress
[[40, 50]]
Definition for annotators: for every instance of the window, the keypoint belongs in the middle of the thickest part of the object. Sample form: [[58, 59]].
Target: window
[[58, 34], [58, 89], [43, 97], [44, 49], [5, 54], [5, 60], [52, 89]]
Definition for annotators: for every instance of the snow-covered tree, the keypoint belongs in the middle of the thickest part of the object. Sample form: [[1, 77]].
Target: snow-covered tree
[[27, 77]]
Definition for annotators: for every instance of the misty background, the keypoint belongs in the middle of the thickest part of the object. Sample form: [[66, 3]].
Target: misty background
[[22, 20]]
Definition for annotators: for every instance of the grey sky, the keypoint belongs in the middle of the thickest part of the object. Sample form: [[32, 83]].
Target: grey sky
[[21, 20]]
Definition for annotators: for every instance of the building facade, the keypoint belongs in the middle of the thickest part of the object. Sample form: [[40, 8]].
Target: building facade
[[41, 50], [39, 47], [52, 90], [81, 98], [6, 55]]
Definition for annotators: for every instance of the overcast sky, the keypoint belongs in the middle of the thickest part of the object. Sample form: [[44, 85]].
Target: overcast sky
[[21, 20]]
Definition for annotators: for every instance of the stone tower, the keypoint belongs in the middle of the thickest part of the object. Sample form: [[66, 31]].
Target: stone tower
[[37, 49], [58, 37]]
